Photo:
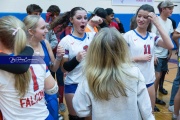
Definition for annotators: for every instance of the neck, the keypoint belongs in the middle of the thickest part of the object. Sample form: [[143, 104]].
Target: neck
[[141, 31], [33, 43], [80, 35], [5, 50], [163, 17]]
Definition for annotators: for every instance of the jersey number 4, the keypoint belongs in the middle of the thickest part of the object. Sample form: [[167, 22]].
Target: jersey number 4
[[35, 83], [147, 49]]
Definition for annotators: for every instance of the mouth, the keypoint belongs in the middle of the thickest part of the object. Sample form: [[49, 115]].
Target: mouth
[[82, 26]]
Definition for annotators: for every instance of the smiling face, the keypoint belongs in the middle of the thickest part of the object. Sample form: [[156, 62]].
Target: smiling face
[[41, 30], [142, 19], [79, 21]]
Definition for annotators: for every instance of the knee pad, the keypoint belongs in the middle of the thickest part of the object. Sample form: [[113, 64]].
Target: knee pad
[[53, 90]]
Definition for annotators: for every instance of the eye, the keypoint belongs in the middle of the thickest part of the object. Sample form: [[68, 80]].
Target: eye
[[145, 17], [139, 16], [79, 18], [85, 18]]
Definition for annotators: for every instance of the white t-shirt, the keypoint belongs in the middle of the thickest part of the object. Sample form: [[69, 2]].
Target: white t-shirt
[[32, 106], [161, 52], [72, 46], [178, 30], [136, 105], [139, 46]]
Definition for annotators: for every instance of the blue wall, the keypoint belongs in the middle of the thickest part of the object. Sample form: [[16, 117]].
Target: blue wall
[[124, 18]]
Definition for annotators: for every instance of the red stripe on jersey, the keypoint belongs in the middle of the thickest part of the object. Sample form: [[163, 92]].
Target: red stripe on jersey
[[35, 83], [156, 38]]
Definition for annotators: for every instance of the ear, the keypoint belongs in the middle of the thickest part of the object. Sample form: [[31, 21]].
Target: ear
[[30, 31], [71, 19]]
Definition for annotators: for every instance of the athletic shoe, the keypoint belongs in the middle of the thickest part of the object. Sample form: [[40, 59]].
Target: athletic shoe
[[163, 91], [160, 102], [171, 108], [60, 117], [156, 109]]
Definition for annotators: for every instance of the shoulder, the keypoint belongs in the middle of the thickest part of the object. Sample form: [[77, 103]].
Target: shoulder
[[90, 34], [128, 34]]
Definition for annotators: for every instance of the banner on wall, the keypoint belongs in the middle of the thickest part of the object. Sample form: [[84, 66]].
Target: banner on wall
[[132, 2]]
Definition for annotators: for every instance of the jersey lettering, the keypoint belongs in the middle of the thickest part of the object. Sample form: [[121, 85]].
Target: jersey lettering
[[147, 49]]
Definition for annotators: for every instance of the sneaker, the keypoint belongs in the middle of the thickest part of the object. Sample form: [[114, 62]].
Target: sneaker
[[163, 91], [160, 102], [156, 109], [60, 117], [171, 108], [174, 117], [62, 107]]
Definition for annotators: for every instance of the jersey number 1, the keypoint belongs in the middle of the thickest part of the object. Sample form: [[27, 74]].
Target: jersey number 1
[[147, 49], [35, 83]]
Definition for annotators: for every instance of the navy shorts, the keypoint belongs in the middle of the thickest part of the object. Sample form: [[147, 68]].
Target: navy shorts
[[70, 88], [149, 85], [162, 65]]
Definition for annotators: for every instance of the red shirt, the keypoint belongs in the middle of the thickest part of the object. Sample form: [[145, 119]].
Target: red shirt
[[114, 24]]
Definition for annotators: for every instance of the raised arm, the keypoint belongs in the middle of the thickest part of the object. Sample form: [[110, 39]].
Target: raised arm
[[165, 42]]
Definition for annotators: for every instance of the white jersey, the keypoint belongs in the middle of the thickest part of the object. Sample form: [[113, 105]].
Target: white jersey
[[139, 46], [32, 106], [72, 46], [161, 52]]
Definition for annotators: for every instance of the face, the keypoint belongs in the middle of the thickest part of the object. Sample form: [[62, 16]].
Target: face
[[41, 30], [79, 21], [142, 19], [110, 17], [168, 11], [54, 15], [36, 13]]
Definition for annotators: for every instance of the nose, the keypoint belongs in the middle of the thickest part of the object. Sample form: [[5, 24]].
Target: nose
[[83, 20], [141, 18], [46, 30]]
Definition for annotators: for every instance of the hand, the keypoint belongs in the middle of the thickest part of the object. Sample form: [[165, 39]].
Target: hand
[[96, 20], [117, 20], [81, 55], [169, 56], [60, 52], [155, 60], [146, 57], [153, 17]]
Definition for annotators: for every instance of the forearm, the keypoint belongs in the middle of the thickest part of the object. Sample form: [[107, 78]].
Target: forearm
[[55, 65], [28, 51], [70, 65], [166, 39], [176, 36]]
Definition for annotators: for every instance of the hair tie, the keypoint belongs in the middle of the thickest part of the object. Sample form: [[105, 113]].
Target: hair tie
[[15, 30]]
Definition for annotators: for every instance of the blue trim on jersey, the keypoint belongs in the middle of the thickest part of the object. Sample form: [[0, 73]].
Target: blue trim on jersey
[[81, 39], [141, 36]]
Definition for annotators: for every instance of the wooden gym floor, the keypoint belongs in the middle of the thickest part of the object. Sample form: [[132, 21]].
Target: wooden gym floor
[[164, 114]]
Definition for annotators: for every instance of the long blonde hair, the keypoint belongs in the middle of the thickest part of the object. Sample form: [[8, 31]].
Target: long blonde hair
[[106, 54], [13, 37]]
